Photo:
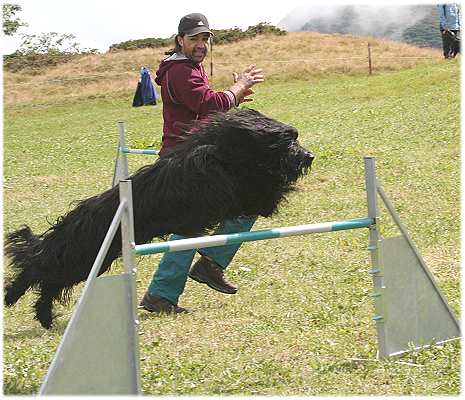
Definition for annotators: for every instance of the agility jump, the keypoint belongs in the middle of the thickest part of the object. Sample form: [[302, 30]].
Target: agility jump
[[410, 310]]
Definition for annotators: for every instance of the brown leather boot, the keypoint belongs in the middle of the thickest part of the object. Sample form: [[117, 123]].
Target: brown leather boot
[[209, 272], [160, 305]]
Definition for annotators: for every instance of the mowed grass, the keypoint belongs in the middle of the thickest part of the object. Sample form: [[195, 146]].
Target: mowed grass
[[301, 321]]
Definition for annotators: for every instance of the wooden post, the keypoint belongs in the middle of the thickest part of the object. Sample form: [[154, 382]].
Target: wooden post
[[211, 56], [369, 59]]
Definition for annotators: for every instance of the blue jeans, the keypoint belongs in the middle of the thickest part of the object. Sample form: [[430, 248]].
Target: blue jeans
[[170, 278]]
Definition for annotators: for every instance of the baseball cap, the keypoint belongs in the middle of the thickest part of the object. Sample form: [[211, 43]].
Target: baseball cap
[[193, 24]]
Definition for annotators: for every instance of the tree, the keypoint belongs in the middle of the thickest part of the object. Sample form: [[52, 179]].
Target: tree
[[11, 23], [51, 43]]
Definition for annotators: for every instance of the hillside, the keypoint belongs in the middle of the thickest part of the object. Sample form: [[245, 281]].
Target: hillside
[[302, 55]]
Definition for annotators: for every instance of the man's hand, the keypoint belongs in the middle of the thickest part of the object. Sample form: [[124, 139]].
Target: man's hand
[[248, 92], [250, 76], [244, 81]]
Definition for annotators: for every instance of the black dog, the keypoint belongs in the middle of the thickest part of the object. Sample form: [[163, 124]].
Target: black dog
[[235, 164]]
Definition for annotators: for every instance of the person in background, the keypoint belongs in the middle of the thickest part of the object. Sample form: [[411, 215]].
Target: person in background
[[449, 26], [187, 97]]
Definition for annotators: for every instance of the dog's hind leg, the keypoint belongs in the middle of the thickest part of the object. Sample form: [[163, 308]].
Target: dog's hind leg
[[44, 305], [23, 248], [22, 282]]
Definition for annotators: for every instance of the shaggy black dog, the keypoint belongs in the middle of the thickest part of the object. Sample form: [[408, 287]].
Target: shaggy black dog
[[235, 164]]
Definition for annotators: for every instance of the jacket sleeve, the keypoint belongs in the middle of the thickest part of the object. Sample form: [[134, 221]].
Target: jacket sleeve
[[190, 88]]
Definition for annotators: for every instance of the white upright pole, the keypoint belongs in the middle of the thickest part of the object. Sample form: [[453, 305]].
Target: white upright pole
[[374, 238], [121, 163], [128, 243]]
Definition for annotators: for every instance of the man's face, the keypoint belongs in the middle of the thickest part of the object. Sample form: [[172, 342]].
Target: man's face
[[195, 47]]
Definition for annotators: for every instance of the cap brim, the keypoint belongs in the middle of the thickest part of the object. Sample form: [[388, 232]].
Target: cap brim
[[197, 30]]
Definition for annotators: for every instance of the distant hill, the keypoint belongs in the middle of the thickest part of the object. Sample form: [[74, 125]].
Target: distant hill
[[413, 24]]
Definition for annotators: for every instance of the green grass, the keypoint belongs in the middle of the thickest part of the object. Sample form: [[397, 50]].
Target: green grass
[[301, 321]]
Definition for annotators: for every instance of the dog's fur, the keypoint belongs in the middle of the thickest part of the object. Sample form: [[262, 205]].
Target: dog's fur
[[237, 163]]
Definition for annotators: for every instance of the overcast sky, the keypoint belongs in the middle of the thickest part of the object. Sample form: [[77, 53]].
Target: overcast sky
[[101, 23]]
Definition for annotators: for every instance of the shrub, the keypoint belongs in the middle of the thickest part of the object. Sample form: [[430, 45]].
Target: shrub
[[141, 44], [35, 63], [221, 36], [37, 52]]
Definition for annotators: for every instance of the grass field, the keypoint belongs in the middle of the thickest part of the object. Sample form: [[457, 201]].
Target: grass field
[[301, 321]]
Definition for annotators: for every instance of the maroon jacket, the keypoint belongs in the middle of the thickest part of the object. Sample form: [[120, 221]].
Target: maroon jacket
[[186, 97]]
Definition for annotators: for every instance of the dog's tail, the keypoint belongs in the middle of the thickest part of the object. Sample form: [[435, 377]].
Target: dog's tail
[[21, 247]]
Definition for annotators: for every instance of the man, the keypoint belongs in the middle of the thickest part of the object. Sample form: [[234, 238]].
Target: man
[[449, 25], [187, 97]]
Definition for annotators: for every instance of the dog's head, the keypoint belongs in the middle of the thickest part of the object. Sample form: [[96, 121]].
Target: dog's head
[[258, 156]]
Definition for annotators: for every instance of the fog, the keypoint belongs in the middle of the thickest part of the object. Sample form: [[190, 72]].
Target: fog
[[366, 20]]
